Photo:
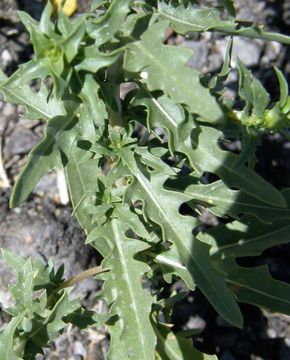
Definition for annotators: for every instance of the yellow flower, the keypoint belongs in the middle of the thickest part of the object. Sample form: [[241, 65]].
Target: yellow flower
[[68, 6]]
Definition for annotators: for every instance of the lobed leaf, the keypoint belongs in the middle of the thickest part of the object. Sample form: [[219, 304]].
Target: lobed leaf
[[130, 305], [204, 154], [252, 91], [162, 207], [104, 27], [245, 237], [39, 106], [221, 200], [185, 18], [7, 339], [202, 150], [256, 286], [146, 58], [248, 237]]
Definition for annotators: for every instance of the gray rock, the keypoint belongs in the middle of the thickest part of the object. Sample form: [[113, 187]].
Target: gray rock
[[200, 53], [6, 58], [248, 50], [20, 142], [8, 10], [47, 186], [249, 10], [8, 114]]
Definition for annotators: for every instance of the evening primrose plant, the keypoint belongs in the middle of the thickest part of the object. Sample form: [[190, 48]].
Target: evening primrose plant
[[135, 130]]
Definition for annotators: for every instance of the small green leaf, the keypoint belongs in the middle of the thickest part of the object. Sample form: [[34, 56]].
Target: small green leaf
[[252, 91], [284, 91], [51, 322], [94, 59], [42, 159], [229, 6], [104, 28], [72, 40], [171, 264], [123, 213]]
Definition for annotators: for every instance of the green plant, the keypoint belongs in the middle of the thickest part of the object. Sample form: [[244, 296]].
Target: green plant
[[126, 189]]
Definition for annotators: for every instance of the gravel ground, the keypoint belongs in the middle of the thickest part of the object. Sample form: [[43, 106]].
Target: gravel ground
[[43, 225]]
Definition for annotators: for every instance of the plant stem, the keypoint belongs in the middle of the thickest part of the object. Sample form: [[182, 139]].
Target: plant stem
[[116, 118], [83, 275]]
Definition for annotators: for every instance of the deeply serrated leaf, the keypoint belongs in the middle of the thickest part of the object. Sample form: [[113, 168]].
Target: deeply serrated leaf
[[203, 152], [162, 207], [104, 28], [131, 333], [223, 201], [252, 91], [162, 111], [182, 84], [205, 155], [39, 106], [256, 286], [82, 169], [7, 339], [189, 18], [246, 237], [22, 291]]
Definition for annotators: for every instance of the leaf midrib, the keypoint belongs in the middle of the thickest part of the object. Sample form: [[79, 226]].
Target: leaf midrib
[[252, 240], [162, 110], [161, 64], [180, 244], [185, 148], [24, 102], [224, 200], [257, 291], [219, 165], [122, 259], [270, 36]]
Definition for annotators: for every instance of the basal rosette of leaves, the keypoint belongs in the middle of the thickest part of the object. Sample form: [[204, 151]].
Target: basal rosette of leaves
[[132, 161]]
